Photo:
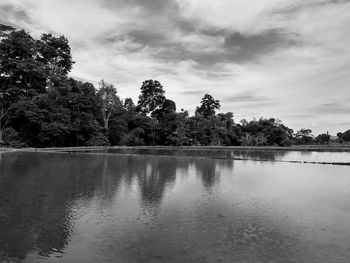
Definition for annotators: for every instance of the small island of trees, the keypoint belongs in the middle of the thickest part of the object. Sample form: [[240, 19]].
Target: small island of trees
[[41, 106]]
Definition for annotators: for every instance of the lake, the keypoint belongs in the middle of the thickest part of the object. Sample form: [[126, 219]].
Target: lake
[[166, 206]]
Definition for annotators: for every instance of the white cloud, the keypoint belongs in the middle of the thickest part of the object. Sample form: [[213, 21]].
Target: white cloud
[[234, 15], [296, 79]]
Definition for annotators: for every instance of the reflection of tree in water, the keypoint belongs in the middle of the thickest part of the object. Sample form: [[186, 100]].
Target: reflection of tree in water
[[156, 175], [254, 154], [206, 170], [36, 192], [259, 154], [210, 169], [39, 193]]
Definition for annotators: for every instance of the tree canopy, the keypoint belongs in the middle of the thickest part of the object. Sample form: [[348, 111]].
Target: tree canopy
[[208, 106], [41, 106], [151, 97]]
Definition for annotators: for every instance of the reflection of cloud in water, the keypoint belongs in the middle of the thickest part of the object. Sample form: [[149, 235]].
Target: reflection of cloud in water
[[155, 209], [207, 235], [35, 197], [37, 192]]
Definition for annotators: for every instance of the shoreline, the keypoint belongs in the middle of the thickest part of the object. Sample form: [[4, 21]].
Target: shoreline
[[318, 148], [195, 151]]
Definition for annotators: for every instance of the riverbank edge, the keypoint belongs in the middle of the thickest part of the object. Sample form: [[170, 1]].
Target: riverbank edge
[[319, 148]]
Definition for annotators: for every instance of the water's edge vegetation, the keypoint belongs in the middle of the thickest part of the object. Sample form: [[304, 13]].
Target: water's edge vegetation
[[41, 106]]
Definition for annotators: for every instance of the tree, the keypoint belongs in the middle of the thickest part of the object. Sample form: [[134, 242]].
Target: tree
[[261, 139], [247, 140], [108, 101], [323, 138], [208, 106], [304, 136], [20, 73], [344, 136], [168, 107], [179, 136], [129, 105], [66, 115], [151, 98], [28, 66], [20, 65], [55, 53]]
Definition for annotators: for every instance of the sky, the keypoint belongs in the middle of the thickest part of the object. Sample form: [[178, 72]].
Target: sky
[[287, 59]]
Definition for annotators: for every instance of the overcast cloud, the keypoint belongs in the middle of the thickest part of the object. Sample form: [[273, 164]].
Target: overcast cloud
[[288, 59]]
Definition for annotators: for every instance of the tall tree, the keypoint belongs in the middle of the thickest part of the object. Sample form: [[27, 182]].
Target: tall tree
[[55, 53], [129, 105], [108, 101], [208, 106], [17, 70], [151, 98]]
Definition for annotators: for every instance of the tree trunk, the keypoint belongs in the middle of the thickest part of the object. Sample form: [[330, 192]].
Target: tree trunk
[[1, 140]]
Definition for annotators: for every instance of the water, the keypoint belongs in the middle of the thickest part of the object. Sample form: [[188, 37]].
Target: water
[[59, 207], [338, 157]]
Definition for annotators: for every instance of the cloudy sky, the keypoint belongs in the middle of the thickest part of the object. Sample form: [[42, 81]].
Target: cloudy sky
[[288, 59]]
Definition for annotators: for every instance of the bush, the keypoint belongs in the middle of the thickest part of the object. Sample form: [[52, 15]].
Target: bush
[[287, 142], [133, 138], [98, 139], [11, 138]]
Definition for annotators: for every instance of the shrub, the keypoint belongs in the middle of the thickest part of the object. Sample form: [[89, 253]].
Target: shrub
[[98, 139]]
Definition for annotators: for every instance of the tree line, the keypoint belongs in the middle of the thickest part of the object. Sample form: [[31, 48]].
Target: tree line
[[41, 106]]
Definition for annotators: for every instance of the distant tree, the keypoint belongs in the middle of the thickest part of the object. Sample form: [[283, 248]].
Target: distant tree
[[261, 139], [304, 136], [98, 139], [151, 98], [208, 106], [227, 118], [179, 136], [323, 138], [133, 138], [118, 127], [344, 136], [228, 131], [108, 101], [247, 140], [270, 129], [129, 105], [243, 122]]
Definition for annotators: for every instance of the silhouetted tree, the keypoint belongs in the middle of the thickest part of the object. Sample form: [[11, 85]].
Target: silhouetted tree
[[304, 136], [151, 98], [323, 138], [208, 106], [344, 136]]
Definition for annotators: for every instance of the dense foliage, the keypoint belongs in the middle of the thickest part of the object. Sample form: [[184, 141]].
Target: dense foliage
[[41, 106]]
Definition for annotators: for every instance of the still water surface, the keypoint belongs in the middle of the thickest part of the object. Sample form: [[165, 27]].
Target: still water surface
[[136, 208]]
